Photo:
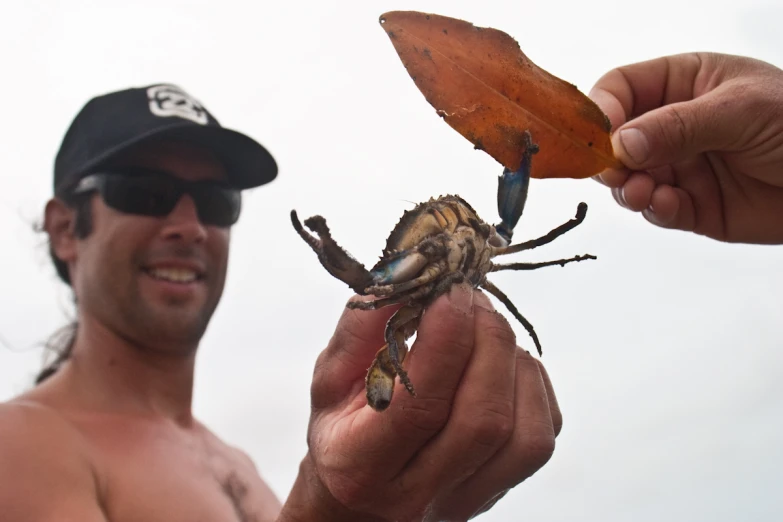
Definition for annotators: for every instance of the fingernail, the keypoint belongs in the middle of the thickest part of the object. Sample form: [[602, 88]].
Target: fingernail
[[635, 144], [651, 216], [461, 297], [482, 301], [622, 197], [619, 196]]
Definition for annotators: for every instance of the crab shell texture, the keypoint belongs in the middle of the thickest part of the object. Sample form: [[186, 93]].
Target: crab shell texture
[[435, 245], [446, 237]]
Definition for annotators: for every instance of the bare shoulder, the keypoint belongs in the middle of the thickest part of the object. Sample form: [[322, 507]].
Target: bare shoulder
[[28, 414], [35, 430], [44, 469]]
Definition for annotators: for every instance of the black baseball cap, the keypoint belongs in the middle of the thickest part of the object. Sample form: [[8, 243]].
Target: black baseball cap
[[112, 123]]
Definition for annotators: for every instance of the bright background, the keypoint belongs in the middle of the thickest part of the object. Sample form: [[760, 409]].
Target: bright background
[[665, 353]]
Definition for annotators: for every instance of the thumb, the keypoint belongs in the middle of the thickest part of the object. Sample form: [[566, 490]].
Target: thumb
[[678, 131]]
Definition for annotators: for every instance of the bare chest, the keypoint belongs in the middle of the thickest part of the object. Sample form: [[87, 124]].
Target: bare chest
[[150, 474]]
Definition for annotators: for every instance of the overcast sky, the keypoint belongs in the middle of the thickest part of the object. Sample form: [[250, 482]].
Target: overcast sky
[[665, 353]]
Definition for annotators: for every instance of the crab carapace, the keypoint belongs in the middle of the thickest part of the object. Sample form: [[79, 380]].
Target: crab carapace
[[435, 245]]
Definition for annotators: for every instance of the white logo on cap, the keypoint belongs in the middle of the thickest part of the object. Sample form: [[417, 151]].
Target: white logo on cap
[[170, 100]]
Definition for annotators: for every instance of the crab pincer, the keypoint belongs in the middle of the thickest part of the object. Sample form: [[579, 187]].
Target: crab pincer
[[332, 256], [512, 191]]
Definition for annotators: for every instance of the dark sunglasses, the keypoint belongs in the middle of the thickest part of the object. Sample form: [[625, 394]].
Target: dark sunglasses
[[151, 193]]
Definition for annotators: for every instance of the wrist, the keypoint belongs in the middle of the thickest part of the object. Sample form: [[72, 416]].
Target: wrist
[[310, 500]]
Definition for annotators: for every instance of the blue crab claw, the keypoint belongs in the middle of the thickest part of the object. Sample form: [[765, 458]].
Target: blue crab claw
[[512, 191], [332, 256]]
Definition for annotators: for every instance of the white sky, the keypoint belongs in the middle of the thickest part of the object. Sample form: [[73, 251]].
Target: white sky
[[665, 353]]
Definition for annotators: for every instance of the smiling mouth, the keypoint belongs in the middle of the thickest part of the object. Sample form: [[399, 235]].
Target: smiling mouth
[[174, 275]]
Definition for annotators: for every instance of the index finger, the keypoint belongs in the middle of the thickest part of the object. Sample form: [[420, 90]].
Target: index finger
[[482, 416], [631, 90], [435, 365]]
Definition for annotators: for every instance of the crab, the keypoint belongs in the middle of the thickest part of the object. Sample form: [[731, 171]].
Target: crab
[[435, 245]]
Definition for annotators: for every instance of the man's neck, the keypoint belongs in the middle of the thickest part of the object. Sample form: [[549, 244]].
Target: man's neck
[[109, 373]]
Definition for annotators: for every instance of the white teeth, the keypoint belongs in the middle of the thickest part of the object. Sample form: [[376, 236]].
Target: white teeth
[[176, 275]]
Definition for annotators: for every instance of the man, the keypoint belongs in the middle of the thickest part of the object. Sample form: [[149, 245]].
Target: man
[[147, 185]]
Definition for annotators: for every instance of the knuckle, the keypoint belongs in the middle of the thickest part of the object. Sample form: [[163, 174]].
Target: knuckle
[[758, 100], [498, 330], [493, 426], [502, 333], [461, 344], [538, 447], [320, 389], [446, 339], [351, 492], [425, 415], [675, 127], [554, 408], [558, 425]]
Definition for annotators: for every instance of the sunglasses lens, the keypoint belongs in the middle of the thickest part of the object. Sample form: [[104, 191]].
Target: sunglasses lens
[[218, 206], [144, 195]]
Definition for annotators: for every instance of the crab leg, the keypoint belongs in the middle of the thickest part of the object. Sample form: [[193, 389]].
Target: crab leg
[[492, 289], [395, 339], [379, 383], [581, 212], [533, 266]]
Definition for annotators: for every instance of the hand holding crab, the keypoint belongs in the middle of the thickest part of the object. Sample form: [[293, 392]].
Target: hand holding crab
[[485, 417]]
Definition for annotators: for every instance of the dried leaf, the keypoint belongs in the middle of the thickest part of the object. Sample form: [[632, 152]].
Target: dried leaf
[[485, 88]]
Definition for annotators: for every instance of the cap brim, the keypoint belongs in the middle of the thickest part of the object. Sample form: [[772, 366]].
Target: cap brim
[[248, 163]]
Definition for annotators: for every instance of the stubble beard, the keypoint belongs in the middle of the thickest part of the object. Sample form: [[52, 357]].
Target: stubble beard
[[168, 327], [171, 327]]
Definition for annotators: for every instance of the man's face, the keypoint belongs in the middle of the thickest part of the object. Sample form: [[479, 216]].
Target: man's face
[[154, 280]]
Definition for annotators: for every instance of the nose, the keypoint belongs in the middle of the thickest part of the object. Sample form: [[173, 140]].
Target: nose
[[183, 223]]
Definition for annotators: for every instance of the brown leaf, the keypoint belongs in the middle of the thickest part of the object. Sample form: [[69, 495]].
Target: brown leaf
[[484, 87]]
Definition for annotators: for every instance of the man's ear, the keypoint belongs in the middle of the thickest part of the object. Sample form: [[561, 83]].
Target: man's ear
[[59, 221]]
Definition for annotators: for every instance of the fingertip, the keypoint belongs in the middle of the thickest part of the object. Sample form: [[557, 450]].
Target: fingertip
[[665, 203], [554, 406], [481, 300], [637, 191], [613, 178], [450, 317], [461, 298], [617, 194], [664, 206], [609, 105]]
